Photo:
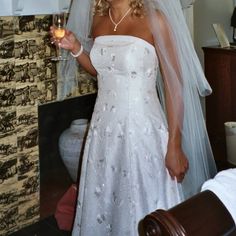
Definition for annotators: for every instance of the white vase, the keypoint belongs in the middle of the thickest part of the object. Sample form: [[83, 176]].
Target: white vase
[[230, 132], [70, 145]]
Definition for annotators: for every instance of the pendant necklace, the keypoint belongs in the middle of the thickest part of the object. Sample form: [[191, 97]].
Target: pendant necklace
[[122, 18]]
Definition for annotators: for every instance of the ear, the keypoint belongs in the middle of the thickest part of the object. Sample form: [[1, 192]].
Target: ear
[[186, 3]]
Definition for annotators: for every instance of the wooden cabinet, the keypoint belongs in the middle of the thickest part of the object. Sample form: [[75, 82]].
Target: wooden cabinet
[[220, 70]]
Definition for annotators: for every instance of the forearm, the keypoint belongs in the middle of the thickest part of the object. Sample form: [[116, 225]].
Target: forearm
[[172, 79], [173, 102], [174, 119]]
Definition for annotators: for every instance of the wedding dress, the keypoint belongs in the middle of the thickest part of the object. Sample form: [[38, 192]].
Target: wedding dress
[[123, 175], [183, 79]]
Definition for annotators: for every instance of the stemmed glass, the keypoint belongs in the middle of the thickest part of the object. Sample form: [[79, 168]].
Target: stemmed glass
[[59, 22]]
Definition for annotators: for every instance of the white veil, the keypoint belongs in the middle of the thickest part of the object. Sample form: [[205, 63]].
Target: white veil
[[79, 22], [184, 79], [193, 84]]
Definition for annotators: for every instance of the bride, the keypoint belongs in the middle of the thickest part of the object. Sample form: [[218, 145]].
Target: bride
[[144, 150]]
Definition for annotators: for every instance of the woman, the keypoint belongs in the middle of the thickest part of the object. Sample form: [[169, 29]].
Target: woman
[[133, 160]]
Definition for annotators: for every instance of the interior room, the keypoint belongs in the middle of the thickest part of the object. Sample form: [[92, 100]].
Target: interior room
[[40, 125]]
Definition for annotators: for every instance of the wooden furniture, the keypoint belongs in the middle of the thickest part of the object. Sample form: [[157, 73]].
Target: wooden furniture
[[202, 215], [220, 70]]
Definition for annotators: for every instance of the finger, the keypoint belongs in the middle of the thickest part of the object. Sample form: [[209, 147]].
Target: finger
[[51, 30], [171, 174], [181, 174], [180, 178], [187, 167], [67, 32], [53, 40]]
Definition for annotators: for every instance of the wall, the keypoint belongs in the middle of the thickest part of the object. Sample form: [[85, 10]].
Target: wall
[[27, 80], [32, 7], [207, 12]]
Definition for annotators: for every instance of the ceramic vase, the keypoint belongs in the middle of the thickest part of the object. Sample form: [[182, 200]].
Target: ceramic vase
[[70, 145]]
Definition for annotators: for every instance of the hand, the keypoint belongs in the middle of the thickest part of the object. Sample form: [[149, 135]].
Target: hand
[[176, 162], [69, 41]]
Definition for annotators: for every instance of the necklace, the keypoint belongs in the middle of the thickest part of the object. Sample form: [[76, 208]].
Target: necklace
[[122, 18]]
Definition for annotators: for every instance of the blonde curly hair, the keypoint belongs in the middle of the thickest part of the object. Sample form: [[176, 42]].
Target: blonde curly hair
[[101, 7]]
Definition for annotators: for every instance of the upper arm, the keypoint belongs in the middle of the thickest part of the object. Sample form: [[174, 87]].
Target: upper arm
[[166, 47]]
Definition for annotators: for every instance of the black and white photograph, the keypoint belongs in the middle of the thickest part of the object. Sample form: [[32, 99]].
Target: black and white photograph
[[6, 49], [7, 97], [7, 122], [6, 27], [8, 171], [38, 25], [9, 219], [8, 147], [26, 117], [27, 139], [29, 95], [7, 73]]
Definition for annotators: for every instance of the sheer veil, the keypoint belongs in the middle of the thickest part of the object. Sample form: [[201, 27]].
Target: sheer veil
[[79, 22], [184, 80]]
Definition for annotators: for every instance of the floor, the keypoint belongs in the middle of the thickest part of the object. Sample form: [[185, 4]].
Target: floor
[[46, 227], [52, 188]]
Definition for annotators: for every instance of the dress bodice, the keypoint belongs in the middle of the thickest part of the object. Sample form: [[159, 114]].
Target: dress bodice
[[127, 68], [125, 57]]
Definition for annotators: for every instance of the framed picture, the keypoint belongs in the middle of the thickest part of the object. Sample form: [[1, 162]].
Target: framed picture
[[221, 36]]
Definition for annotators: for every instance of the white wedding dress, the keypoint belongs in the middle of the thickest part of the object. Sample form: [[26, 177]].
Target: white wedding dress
[[123, 174]]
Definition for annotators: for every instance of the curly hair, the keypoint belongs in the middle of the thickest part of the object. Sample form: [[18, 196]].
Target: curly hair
[[101, 7]]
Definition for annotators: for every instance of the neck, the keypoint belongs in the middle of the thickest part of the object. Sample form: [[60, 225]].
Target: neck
[[118, 8], [116, 23]]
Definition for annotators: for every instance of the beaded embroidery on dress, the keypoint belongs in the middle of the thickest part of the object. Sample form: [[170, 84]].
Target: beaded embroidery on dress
[[123, 174]]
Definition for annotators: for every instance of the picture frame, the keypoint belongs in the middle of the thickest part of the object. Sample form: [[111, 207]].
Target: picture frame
[[221, 35]]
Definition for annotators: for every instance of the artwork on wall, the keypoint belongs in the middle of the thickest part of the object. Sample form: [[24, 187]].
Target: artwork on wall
[[187, 3], [8, 143], [221, 35], [28, 78]]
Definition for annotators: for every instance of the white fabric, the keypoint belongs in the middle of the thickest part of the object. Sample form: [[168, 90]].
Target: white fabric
[[224, 186], [123, 174], [185, 80]]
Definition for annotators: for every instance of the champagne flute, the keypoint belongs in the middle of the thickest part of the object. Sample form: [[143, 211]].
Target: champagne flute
[[59, 21]]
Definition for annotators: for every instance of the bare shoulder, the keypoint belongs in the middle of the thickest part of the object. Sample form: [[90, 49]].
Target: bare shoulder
[[99, 25], [96, 21], [140, 27]]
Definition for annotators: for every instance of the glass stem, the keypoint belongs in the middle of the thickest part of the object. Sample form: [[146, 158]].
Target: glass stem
[[59, 51]]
